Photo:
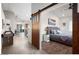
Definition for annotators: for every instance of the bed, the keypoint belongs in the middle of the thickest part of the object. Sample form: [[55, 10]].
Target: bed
[[56, 35]]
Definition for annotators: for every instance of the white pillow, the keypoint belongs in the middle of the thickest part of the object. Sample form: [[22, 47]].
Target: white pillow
[[58, 32]]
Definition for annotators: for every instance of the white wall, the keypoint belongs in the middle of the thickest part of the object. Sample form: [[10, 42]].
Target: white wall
[[30, 32], [10, 18], [65, 29], [3, 17], [2, 14]]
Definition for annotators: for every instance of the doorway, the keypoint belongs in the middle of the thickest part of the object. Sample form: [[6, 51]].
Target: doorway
[[20, 28]]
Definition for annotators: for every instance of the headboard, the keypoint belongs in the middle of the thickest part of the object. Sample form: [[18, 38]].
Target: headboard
[[50, 29]]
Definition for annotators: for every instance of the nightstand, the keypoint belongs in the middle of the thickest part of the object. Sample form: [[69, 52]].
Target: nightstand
[[46, 37]]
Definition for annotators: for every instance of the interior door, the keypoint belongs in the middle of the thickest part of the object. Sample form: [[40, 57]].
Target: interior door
[[35, 31]]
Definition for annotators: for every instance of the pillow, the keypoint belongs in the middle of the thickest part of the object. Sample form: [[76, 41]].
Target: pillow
[[58, 32]]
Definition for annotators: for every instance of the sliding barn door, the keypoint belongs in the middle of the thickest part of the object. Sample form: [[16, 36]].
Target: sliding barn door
[[35, 30], [75, 30]]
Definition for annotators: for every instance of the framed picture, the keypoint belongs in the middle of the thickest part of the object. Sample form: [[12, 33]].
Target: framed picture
[[51, 21]]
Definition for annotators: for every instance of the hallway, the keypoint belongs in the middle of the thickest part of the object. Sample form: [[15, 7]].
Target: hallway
[[21, 45]]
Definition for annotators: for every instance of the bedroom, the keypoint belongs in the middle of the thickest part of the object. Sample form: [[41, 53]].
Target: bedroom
[[56, 29]]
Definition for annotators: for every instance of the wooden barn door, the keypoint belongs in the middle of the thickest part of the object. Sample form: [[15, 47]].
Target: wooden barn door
[[75, 30], [35, 30]]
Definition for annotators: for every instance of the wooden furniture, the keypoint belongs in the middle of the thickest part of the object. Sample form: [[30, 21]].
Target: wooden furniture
[[7, 38]]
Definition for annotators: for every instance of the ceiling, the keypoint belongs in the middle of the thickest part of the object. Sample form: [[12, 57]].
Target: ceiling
[[21, 10], [38, 6], [24, 10]]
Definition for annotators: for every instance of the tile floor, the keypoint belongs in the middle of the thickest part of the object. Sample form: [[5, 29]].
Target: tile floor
[[21, 46]]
